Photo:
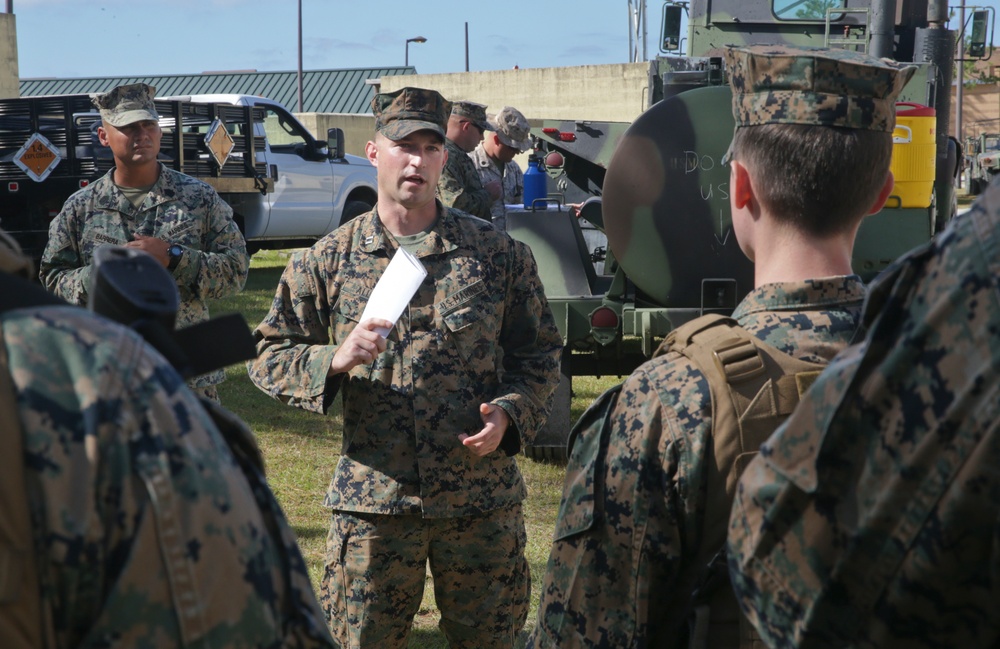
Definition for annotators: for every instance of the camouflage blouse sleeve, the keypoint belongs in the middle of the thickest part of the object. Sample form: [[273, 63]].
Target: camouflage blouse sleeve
[[627, 513], [460, 187], [532, 346], [220, 268], [870, 517], [62, 270], [513, 183], [144, 503], [293, 341]]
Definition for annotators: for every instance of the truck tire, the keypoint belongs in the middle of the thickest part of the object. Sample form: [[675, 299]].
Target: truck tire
[[354, 209], [252, 247]]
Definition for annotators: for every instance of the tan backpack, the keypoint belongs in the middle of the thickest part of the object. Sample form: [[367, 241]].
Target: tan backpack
[[754, 388]]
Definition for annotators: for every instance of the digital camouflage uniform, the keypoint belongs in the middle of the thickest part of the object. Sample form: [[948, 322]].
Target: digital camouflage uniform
[[179, 209], [478, 330], [149, 533], [460, 187], [511, 177], [636, 522], [870, 518], [612, 580], [513, 130]]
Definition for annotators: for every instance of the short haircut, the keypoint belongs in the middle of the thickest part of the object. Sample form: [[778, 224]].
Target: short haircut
[[819, 179]]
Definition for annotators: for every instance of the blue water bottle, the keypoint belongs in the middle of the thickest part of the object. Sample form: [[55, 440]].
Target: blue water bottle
[[534, 184]]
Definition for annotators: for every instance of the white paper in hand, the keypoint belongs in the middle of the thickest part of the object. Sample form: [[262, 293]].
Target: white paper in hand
[[394, 289]]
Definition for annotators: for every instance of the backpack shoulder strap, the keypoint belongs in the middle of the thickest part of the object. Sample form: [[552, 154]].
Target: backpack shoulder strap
[[754, 387], [757, 382]]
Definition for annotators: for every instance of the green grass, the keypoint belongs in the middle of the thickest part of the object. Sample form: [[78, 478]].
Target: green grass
[[301, 451]]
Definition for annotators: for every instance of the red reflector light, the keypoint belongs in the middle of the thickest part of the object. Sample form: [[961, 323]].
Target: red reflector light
[[84, 183], [13, 187], [554, 159], [567, 137], [604, 318], [550, 130]]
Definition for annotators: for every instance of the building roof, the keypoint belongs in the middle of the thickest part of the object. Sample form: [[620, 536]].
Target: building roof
[[323, 91]]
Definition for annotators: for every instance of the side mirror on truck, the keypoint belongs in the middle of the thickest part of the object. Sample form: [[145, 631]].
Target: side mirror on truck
[[977, 39], [335, 142], [670, 34]]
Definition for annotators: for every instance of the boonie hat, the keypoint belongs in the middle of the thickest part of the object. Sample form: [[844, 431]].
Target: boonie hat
[[404, 111], [126, 105], [512, 128], [475, 113]]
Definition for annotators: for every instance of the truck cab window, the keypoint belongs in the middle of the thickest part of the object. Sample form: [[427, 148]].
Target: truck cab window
[[805, 9], [283, 134]]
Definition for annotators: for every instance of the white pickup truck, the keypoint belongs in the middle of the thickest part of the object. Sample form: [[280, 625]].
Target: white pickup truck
[[287, 189], [317, 186]]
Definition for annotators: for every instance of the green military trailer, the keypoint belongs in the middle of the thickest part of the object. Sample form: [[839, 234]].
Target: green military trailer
[[658, 191]]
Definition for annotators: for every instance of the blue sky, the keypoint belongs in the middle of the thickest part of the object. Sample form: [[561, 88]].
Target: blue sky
[[56, 38]]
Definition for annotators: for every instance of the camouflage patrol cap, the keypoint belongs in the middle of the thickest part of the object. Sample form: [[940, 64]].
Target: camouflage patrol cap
[[512, 128], [475, 113], [404, 111], [779, 84], [126, 105]]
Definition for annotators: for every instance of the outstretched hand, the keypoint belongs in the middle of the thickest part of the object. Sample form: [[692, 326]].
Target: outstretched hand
[[495, 423]]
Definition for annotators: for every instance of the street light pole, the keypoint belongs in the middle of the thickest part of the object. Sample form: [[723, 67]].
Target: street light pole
[[415, 39], [959, 84], [300, 56]]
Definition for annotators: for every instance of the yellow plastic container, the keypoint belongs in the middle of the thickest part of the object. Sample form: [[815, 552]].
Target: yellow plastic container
[[914, 155]]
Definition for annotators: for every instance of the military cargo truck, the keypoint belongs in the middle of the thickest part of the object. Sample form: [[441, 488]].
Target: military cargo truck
[[660, 193], [982, 160], [49, 149]]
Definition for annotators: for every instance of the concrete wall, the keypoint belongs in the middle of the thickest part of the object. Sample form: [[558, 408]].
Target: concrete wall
[[980, 110], [358, 129], [612, 93], [9, 85]]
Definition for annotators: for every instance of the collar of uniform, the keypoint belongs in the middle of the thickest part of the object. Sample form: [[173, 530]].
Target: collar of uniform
[[444, 237], [372, 233], [111, 198], [449, 229], [454, 149], [805, 294], [481, 158], [164, 189]]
